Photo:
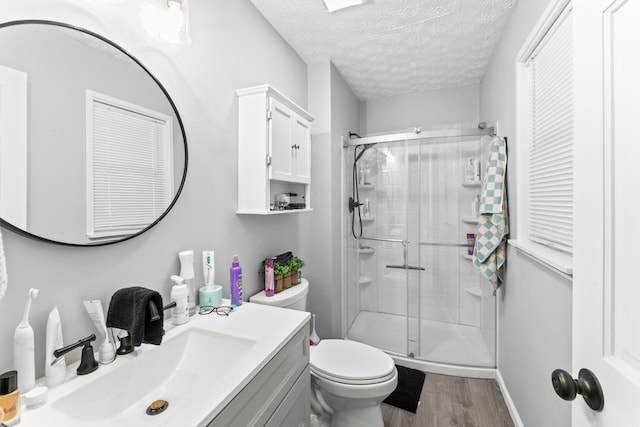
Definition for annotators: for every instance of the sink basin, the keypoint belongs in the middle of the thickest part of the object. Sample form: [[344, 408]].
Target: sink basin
[[170, 372], [199, 368]]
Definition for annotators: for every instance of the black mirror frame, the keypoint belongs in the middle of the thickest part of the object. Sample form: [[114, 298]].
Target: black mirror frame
[[25, 233]]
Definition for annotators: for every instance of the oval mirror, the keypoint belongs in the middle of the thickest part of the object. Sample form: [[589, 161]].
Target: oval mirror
[[92, 148]]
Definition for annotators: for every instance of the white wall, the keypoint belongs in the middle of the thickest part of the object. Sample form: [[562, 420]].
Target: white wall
[[535, 305], [233, 47], [335, 109], [440, 107]]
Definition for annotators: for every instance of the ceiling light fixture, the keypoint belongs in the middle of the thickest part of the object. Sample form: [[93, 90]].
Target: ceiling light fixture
[[176, 22], [334, 5]]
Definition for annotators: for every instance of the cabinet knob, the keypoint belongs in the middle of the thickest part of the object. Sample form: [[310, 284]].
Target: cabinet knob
[[297, 147]]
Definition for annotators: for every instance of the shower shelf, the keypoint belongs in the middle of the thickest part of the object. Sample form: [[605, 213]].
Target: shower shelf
[[366, 186], [469, 220], [366, 250], [364, 280], [475, 291], [368, 218], [467, 256], [471, 184]]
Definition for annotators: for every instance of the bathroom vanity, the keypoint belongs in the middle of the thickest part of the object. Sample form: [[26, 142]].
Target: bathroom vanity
[[250, 368]]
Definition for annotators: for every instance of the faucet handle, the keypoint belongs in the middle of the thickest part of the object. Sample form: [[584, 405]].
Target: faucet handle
[[88, 362]]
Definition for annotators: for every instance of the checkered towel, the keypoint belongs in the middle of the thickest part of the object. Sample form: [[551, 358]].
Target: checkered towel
[[489, 253]]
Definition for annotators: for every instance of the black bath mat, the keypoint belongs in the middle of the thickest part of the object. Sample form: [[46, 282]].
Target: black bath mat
[[407, 394]]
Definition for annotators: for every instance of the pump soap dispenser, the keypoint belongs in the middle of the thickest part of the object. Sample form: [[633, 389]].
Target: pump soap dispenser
[[23, 349]]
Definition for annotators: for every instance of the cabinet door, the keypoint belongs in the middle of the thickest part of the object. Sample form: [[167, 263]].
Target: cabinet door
[[302, 150], [281, 142]]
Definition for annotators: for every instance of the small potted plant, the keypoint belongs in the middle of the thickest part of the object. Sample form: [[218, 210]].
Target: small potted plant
[[280, 270], [287, 275], [296, 265]]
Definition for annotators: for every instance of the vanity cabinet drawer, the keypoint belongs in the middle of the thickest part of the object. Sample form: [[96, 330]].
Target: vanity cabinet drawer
[[270, 389]]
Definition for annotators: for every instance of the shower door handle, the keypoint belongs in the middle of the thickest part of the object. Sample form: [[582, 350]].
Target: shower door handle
[[406, 267]]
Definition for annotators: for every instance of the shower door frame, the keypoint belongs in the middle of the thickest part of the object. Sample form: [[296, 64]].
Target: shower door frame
[[417, 134]]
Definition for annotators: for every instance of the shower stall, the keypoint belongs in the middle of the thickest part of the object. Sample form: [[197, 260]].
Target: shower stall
[[411, 216]]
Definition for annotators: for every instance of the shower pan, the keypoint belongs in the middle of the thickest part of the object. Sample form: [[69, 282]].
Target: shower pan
[[411, 287]]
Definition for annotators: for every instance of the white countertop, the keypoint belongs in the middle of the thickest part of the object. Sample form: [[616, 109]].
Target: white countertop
[[268, 327]]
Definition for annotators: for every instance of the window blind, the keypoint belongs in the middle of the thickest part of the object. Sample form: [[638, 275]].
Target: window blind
[[131, 170], [550, 173]]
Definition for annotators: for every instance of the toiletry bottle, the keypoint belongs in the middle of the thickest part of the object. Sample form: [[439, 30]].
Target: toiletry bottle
[[186, 272], [476, 170], [54, 369], [24, 349], [236, 282], [107, 350], [9, 398], [179, 294], [469, 170], [269, 286], [366, 212], [475, 206], [362, 175]]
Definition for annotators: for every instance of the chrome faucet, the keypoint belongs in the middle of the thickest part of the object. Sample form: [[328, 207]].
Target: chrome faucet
[[88, 362]]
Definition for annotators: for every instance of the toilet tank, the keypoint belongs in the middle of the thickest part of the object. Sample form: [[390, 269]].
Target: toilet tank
[[294, 298]]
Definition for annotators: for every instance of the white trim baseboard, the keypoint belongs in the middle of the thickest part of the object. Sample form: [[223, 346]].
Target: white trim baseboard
[[515, 416]]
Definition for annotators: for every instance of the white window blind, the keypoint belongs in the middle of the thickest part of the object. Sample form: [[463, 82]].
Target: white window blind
[[550, 173], [129, 167]]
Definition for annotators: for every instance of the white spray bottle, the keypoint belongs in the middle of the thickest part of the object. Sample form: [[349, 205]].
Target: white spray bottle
[[24, 349]]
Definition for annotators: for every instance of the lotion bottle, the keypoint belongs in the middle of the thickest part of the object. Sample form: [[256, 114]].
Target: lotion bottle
[[54, 369], [236, 282], [179, 294], [24, 349]]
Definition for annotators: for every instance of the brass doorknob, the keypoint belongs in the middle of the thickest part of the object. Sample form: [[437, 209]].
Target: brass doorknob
[[587, 385]]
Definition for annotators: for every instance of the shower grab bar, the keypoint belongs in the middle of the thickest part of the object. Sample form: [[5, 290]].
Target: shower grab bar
[[406, 267]]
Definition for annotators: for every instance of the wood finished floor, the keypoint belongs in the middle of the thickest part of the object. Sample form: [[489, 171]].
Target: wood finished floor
[[448, 401]]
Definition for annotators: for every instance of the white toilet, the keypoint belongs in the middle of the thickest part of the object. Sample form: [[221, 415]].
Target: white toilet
[[349, 379]]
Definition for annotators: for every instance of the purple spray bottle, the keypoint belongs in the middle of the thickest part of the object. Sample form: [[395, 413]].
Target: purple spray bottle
[[236, 282]]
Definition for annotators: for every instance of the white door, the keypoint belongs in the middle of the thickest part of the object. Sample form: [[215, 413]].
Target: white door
[[301, 151], [606, 287], [281, 141]]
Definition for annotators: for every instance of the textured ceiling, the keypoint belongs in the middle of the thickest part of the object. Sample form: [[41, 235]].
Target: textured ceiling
[[395, 47]]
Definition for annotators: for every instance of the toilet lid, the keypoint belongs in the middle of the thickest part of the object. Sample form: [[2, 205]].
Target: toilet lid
[[350, 362]]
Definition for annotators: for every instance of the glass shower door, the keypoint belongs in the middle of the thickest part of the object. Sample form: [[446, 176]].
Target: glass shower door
[[377, 292]]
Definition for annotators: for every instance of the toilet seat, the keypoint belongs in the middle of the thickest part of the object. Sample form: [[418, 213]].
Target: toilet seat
[[350, 362]]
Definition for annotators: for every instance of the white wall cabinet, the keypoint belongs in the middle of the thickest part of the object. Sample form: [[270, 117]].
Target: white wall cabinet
[[274, 152]]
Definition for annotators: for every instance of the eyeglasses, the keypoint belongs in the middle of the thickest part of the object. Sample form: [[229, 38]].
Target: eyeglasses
[[220, 311]]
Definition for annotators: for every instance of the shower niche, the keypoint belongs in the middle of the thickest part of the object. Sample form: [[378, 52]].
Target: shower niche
[[412, 289]]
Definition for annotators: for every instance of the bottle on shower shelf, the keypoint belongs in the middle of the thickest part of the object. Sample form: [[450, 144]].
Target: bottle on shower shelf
[[366, 209], [472, 170], [475, 206]]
